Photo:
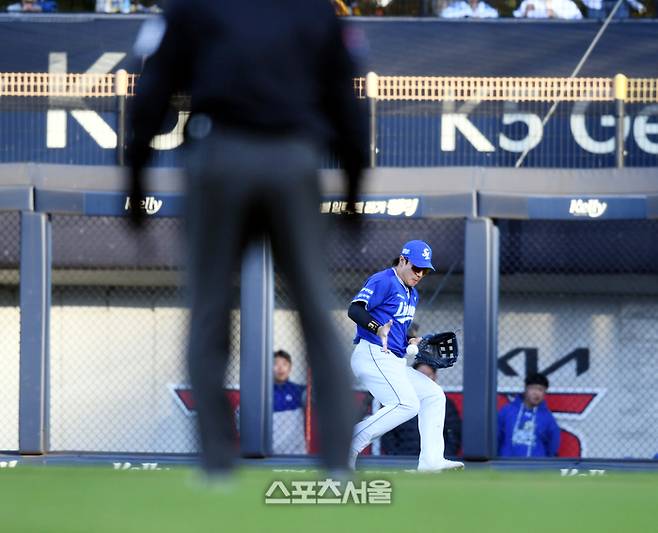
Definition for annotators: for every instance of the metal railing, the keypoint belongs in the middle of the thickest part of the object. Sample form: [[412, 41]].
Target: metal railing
[[409, 88], [31, 84], [441, 88], [414, 120]]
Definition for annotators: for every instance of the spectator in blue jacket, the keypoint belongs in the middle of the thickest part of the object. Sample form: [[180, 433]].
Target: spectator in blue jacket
[[526, 427]]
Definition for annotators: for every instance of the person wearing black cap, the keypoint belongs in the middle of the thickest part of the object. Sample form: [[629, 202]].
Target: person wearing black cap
[[405, 439], [383, 311], [271, 87], [526, 426]]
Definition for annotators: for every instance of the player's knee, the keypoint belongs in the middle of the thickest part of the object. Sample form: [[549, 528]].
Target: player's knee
[[439, 397], [410, 407]]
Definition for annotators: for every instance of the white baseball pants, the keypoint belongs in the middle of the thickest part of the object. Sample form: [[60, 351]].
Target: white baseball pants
[[403, 393]]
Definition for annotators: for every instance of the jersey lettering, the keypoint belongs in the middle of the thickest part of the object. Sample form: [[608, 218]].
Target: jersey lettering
[[405, 313], [364, 295]]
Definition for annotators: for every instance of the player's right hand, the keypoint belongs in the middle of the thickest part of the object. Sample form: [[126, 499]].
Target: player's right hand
[[382, 333]]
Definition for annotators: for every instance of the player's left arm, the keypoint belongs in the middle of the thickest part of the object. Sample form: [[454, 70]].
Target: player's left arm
[[162, 76], [167, 70], [347, 114]]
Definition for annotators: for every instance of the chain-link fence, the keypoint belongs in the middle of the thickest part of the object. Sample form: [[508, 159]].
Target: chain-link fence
[[118, 379], [351, 260], [578, 303], [10, 324]]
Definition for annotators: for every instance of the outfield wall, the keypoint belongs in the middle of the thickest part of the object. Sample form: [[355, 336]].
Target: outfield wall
[[574, 296], [119, 394]]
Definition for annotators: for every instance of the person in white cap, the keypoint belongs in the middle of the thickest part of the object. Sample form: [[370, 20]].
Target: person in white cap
[[383, 310]]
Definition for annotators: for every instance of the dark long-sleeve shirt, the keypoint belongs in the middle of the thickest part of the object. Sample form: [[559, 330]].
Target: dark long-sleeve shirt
[[279, 67], [405, 439]]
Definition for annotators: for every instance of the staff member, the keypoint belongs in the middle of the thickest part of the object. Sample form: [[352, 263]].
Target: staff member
[[271, 89], [526, 427]]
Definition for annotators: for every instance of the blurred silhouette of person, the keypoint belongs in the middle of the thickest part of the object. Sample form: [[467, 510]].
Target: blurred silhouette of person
[[476, 9], [600, 9], [545, 9], [33, 6], [526, 426], [288, 408], [271, 88]]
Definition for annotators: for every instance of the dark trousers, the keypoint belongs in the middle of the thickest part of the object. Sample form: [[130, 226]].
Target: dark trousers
[[244, 187]]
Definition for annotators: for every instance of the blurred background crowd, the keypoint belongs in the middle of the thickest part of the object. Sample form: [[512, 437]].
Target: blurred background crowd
[[447, 9]]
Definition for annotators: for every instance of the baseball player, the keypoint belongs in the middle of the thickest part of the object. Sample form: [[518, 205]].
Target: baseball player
[[383, 310]]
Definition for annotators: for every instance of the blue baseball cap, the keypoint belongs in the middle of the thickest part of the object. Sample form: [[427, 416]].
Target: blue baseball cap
[[419, 253]]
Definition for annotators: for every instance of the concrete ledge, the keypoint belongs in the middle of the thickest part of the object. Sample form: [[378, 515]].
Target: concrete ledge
[[451, 191]]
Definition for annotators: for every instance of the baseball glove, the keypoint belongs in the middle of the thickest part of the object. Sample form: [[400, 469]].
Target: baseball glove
[[438, 350]]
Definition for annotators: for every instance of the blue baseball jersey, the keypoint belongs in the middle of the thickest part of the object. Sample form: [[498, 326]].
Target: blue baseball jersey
[[387, 297]]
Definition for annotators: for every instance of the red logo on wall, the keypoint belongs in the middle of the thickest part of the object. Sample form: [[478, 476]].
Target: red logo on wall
[[185, 400], [566, 405]]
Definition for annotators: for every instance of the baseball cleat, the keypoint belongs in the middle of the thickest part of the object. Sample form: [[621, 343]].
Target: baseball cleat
[[444, 465]]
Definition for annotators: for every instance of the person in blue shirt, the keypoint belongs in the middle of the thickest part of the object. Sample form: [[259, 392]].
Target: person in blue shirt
[[383, 310], [33, 6], [526, 427], [288, 416]]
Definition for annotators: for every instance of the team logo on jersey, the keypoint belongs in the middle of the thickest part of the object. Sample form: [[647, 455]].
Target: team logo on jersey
[[405, 313], [426, 254]]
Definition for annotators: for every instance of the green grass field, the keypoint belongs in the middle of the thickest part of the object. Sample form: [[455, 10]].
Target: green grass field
[[62, 499]]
